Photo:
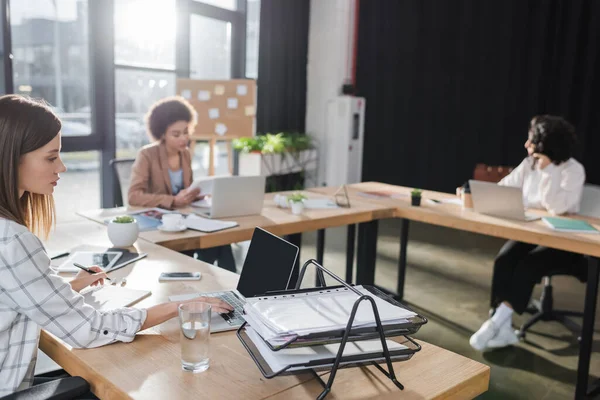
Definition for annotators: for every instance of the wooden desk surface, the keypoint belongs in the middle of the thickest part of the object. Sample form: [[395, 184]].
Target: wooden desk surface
[[279, 221], [149, 367], [453, 216]]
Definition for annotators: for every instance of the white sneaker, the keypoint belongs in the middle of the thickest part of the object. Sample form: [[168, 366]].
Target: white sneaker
[[479, 340], [506, 336]]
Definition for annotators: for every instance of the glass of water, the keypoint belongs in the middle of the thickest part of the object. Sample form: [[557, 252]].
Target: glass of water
[[194, 323]]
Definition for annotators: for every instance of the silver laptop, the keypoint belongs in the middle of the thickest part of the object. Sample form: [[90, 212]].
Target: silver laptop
[[500, 201], [268, 267], [233, 196]]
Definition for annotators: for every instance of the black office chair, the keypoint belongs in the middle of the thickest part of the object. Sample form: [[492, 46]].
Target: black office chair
[[72, 387], [122, 173], [543, 310]]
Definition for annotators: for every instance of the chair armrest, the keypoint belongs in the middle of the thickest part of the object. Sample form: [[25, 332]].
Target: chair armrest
[[59, 389]]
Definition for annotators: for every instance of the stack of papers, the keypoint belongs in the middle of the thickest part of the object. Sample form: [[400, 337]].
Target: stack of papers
[[299, 357], [277, 318]]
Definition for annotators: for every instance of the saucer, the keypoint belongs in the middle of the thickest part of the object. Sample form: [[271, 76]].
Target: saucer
[[180, 228]]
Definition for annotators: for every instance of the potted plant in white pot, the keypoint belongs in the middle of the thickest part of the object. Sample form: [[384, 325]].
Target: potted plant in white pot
[[123, 231], [296, 201]]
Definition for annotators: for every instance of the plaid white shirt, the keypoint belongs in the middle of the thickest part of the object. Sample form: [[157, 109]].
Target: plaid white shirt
[[32, 296]]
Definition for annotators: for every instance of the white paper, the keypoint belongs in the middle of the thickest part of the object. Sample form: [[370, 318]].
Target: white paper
[[201, 224], [232, 103], [220, 129], [186, 94], [204, 95], [242, 90], [213, 113]]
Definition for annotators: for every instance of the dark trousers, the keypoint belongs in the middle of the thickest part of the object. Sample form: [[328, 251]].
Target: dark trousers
[[519, 266], [222, 254], [54, 375]]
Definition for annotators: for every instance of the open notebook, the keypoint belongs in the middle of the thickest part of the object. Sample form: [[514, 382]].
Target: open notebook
[[109, 297]]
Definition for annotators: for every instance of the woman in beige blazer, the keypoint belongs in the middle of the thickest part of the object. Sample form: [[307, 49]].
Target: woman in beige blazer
[[162, 171]]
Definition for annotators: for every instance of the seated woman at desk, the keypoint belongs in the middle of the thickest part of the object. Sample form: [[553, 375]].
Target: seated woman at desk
[[162, 171], [32, 296], [553, 180]]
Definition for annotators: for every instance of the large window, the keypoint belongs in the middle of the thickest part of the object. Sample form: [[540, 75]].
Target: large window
[[252, 35], [50, 58], [145, 66], [210, 40]]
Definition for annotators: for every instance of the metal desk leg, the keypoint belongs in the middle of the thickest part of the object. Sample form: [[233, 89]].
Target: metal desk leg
[[587, 330], [320, 253], [350, 252], [296, 239], [402, 260], [367, 253]]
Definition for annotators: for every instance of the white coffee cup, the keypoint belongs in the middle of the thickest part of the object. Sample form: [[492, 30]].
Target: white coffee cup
[[172, 221]]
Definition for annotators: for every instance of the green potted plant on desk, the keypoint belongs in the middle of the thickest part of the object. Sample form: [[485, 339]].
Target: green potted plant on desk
[[123, 231], [296, 201], [415, 197]]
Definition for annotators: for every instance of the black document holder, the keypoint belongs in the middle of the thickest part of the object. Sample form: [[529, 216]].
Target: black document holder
[[342, 336]]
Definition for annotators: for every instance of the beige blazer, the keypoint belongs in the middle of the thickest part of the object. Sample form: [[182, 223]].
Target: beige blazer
[[150, 183]]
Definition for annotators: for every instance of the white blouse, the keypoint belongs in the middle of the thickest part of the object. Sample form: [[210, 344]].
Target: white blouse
[[32, 297], [556, 188]]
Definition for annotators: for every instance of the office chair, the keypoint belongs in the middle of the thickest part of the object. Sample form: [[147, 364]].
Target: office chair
[[489, 173], [122, 173], [72, 387], [543, 309]]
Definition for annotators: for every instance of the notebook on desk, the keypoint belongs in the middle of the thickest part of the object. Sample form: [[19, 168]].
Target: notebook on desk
[[207, 225], [109, 297], [569, 225]]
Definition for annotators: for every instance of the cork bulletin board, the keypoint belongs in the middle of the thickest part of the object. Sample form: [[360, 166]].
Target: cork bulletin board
[[226, 108]]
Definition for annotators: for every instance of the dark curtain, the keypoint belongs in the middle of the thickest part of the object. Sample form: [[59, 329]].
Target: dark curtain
[[453, 83], [282, 58]]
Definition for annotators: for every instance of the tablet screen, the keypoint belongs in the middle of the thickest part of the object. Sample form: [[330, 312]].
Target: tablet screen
[[105, 260]]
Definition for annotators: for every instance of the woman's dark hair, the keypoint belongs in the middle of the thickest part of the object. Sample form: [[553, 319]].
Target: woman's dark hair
[[25, 126], [166, 112], [553, 136]]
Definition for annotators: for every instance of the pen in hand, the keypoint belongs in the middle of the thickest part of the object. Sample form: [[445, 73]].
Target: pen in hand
[[89, 271]]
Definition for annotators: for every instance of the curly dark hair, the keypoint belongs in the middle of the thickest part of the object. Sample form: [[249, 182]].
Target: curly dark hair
[[166, 112], [553, 136]]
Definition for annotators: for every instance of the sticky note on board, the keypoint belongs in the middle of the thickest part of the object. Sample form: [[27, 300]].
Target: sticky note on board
[[204, 95], [232, 103], [186, 94], [220, 129], [242, 90], [249, 111], [213, 113], [219, 90]]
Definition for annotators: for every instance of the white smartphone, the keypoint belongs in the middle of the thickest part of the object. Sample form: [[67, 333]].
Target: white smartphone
[[179, 276]]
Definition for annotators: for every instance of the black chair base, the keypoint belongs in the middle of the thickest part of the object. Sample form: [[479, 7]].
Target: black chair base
[[544, 311]]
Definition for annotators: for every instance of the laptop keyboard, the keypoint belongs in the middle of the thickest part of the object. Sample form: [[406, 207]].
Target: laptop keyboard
[[234, 317]]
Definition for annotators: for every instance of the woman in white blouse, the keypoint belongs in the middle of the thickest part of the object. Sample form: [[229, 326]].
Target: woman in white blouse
[[32, 296], [553, 180]]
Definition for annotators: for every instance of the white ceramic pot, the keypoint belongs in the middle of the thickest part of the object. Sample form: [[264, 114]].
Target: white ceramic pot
[[123, 235], [297, 207]]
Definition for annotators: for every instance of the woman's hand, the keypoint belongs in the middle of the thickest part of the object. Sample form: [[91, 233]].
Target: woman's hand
[[185, 197], [84, 279], [542, 160], [218, 305]]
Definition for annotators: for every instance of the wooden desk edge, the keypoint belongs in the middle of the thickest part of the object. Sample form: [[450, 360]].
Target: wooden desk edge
[[470, 388], [58, 352]]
